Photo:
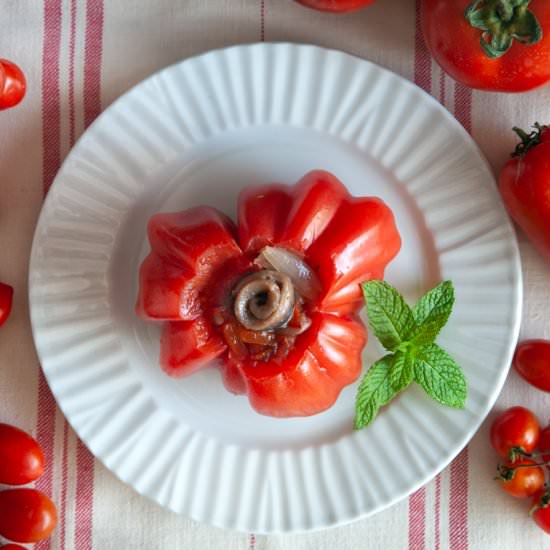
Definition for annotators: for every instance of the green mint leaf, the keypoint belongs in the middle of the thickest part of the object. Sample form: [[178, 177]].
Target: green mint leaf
[[431, 313], [402, 370], [440, 376], [390, 318], [374, 391]]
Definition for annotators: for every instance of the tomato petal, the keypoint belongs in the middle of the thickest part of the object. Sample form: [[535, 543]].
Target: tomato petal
[[262, 215], [187, 249], [315, 200], [359, 242], [188, 346]]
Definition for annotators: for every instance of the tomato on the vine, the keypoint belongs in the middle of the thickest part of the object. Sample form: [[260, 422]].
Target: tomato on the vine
[[521, 478], [26, 515], [540, 512], [516, 428], [532, 359], [21, 458], [336, 6], [495, 45], [12, 84]]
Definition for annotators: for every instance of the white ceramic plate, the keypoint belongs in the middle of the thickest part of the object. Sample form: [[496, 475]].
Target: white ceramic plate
[[197, 132]]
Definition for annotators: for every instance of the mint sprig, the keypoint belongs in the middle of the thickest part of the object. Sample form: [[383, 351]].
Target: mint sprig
[[410, 334]]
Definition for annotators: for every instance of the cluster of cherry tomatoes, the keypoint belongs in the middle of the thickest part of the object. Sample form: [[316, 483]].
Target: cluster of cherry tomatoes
[[26, 515], [516, 435]]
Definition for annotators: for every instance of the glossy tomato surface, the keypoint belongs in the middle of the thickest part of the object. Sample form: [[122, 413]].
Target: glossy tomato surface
[[524, 185], [541, 510], [26, 515], [515, 428], [13, 84], [21, 458], [6, 302], [456, 46], [532, 362], [527, 478], [336, 6]]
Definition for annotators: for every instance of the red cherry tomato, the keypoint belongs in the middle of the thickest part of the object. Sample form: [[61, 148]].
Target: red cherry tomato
[[26, 515], [12, 547], [6, 301], [532, 362], [515, 428], [21, 458], [540, 512], [12, 84], [336, 6], [524, 481], [502, 61]]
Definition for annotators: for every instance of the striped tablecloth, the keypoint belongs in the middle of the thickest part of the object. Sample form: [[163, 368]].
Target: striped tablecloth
[[79, 55]]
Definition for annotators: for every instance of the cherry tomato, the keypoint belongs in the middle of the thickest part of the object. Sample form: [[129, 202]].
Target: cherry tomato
[[21, 458], [12, 547], [6, 300], [515, 428], [336, 6], [532, 361], [523, 184], [26, 515], [12, 84], [521, 482], [500, 61], [540, 512]]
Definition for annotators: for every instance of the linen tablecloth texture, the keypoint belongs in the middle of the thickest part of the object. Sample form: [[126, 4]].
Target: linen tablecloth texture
[[80, 55]]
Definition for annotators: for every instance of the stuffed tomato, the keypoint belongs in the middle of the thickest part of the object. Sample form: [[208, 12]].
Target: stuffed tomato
[[273, 299]]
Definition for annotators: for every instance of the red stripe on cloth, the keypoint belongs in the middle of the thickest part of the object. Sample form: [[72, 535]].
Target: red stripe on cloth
[[51, 159], [72, 49], [463, 106], [422, 58], [64, 484], [45, 434], [84, 497], [51, 109], [458, 505], [417, 520], [437, 512], [442, 88], [93, 53]]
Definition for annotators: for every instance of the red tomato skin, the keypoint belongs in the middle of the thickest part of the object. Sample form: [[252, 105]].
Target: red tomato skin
[[532, 362], [515, 427], [454, 44], [544, 444], [12, 547], [526, 481], [524, 185], [13, 84], [336, 6], [6, 302], [21, 458], [26, 515], [541, 513]]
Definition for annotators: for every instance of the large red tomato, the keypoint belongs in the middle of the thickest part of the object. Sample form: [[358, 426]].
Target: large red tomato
[[496, 45], [524, 184], [338, 6]]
